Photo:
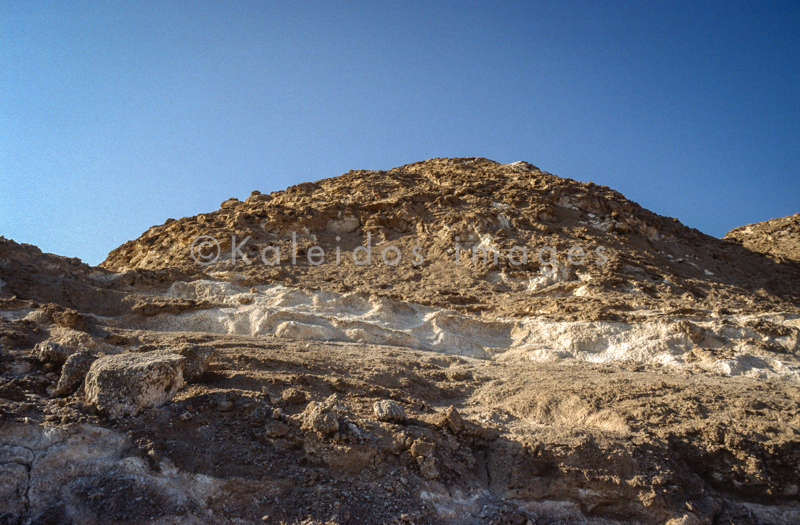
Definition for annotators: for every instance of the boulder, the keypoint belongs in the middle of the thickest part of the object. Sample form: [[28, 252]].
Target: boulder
[[125, 384]]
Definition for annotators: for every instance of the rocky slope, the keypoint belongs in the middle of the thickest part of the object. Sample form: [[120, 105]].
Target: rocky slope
[[652, 261], [662, 386], [778, 238]]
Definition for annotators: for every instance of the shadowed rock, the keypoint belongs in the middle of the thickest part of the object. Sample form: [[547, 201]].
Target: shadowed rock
[[75, 369]]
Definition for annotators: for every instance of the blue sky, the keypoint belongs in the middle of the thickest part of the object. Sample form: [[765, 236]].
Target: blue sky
[[115, 116]]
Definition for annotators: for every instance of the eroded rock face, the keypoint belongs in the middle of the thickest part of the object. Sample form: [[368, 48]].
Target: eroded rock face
[[167, 305], [644, 425], [296, 330], [125, 384], [342, 225], [64, 475]]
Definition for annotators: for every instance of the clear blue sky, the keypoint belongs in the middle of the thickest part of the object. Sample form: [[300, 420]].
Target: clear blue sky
[[115, 116]]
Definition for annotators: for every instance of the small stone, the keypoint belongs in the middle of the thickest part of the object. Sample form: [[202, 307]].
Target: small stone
[[294, 396], [389, 411], [321, 419], [454, 420], [186, 416], [50, 352], [277, 413], [422, 448], [428, 468], [224, 405], [276, 429]]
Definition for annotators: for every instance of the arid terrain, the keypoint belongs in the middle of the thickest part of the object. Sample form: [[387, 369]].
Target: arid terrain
[[649, 373]]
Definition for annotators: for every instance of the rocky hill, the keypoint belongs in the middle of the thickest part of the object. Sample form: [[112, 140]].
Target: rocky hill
[[656, 382], [644, 261]]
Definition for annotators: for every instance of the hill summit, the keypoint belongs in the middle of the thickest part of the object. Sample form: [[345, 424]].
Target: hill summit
[[466, 216]]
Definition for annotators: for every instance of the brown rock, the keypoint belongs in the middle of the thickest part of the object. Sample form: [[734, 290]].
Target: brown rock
[[66, 317], [276, 429], [321, 419], [423, 448], [454, 420], [293, 396]]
